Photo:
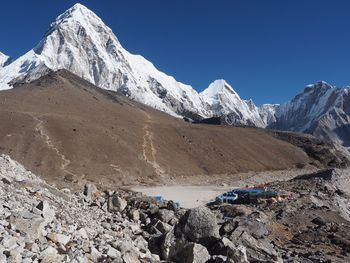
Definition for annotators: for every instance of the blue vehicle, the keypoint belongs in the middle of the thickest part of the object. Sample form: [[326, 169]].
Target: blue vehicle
[[228, 197], [162, 201], [250, 191]]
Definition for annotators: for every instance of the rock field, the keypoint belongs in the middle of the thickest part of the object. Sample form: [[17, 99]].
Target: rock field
[[40, 223]]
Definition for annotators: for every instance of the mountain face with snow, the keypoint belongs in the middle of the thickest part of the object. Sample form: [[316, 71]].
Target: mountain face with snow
[[4, 60], [80, 42], [221, 100], [267, 113], [321, 110]]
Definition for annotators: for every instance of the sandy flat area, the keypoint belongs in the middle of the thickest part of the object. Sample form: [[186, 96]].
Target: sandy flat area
[[190, 196]]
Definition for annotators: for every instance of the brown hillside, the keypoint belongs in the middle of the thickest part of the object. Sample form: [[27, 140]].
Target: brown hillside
[[60, 126]]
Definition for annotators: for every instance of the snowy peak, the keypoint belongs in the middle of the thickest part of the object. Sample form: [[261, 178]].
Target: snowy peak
[[80, 42], [221, 99], [320, 109], [78, 12], [80, 17], [268, 113], [4, 60], [319, 88], [217, 91], [217, 87]]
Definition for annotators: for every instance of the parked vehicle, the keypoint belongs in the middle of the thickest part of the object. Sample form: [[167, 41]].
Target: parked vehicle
[[162, 201], [228, 197]]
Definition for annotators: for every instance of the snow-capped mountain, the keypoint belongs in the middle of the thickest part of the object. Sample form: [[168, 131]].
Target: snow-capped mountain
[[4, 60], [267, 113], [321, 110], [221, 100], [80, 42]]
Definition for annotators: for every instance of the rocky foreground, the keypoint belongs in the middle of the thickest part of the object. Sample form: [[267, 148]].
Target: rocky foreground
[[40, 223]]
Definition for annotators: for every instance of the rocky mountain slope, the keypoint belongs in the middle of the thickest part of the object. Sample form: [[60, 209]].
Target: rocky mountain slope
[[62, 127], [41, 223], [267, 113], [321, 110], [80, 42], [4, 60]]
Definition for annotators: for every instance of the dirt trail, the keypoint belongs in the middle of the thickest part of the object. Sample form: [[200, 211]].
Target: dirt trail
[[148, 150], [41, 129]]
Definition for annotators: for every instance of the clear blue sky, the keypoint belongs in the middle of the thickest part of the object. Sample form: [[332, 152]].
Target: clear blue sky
[[268, 50]]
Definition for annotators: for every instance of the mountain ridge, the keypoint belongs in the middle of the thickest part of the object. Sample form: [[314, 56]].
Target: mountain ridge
[[80, 42], [64, 128], [320, 109]]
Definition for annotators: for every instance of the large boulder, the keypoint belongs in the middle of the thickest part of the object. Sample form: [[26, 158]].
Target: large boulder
[[198, 225], [258, 250], [194, 253], [165, 215]]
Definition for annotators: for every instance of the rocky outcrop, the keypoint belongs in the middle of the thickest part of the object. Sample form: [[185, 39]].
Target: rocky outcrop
[[198, 225]]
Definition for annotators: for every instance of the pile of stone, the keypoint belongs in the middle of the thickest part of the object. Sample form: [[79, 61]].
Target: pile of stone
[[40, 223], [312, 226]]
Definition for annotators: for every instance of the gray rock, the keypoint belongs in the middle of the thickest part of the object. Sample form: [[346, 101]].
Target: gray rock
[[59, 238], [131, 258], [47, 212], [144, 218], [220, 247], [9, 243], [116, 203], [237, 255], [32, 229], [198, 224], [89, 191], [257, 250], [82, 232], [106, 225], [134, 214], [171, 246], [194, 253], [113, 253], [171, 205], [165, 215], [141, 244], [50, 255], [95, 255]]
